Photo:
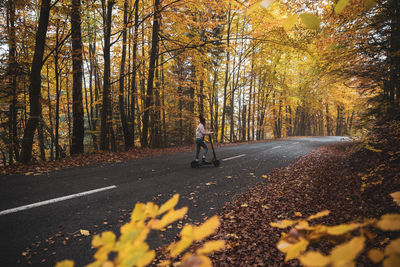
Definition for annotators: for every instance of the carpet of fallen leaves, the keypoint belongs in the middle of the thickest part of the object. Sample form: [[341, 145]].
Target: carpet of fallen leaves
[[327, 178], [97, 157]]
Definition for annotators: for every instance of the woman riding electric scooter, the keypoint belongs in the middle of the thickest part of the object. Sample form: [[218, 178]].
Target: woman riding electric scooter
[[200, 133]]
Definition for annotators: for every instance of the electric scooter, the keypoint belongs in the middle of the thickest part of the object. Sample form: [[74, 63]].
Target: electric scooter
[[214, 161]]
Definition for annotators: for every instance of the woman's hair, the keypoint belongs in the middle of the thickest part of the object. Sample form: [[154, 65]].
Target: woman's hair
[[202, 120]]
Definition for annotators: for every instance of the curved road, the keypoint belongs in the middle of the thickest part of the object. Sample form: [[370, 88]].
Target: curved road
[[40, 216]]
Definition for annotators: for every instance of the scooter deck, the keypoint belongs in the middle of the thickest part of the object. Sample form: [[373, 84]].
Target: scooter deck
[[196, 164]]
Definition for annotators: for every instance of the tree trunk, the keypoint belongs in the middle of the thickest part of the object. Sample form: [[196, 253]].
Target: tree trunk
[[106, 107], [78, 130], [150, 79], [50, 112], [41, 140], [35, 82], [226, 77], [124, 122], [12, 72], [134, 71]]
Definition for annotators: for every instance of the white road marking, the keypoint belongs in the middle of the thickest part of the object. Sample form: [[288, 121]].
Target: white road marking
[[275, 147], [234, 157], [54, 200]]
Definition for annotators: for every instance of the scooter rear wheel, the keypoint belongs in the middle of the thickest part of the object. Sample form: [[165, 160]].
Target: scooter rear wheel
[[194, 164], [216, 163]]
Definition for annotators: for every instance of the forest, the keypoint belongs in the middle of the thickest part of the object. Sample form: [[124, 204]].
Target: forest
[[302, 97], [82, 76]]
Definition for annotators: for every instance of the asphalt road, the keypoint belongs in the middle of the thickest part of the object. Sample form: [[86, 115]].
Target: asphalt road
[[45, 233]]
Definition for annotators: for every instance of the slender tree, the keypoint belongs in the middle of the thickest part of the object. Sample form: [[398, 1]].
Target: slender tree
[[35, 82]]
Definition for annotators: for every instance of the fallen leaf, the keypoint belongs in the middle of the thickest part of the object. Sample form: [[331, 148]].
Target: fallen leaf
[[84, 232]]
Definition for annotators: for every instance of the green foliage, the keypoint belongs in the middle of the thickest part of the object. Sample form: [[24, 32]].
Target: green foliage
[[131, 249]]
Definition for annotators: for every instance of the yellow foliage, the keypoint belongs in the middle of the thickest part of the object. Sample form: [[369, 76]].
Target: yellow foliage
[[170, 204], [319, 215], [314, 259], [295, 250], [65, 263], [348, 252], [206, 229], [131, 248], [396, 197], [375, 255], [169, 217], [392, 261], [290, 22], [389, 222], [393, 247], [106, 238], [341, 229], [211, 246], [283, 224]]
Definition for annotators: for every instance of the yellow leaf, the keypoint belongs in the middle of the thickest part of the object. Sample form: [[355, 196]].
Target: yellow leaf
[[349, 251], [146, 259], [205, 261], [370, 4], [138, 212], [373, 149], [319, 215], [341, 5], [130, 254], [303, 225], [170, 204], [169, 217], [151, 210], [375, 255], [314, 259], [266, 3], [290, 22], [102, 252], [389, 222], [211, 246], [95, 264], [264, 176], [108, 264], [245, 205], [393, 247], [310, 20], [229, 177], [298, 214], [283, 246], [341, 229], [178, 247], [392, 261], [296, 249], [282, 224], [106, 238], [396, 197], [65, 263], [206, 229], [164, 263], [84, 232]]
